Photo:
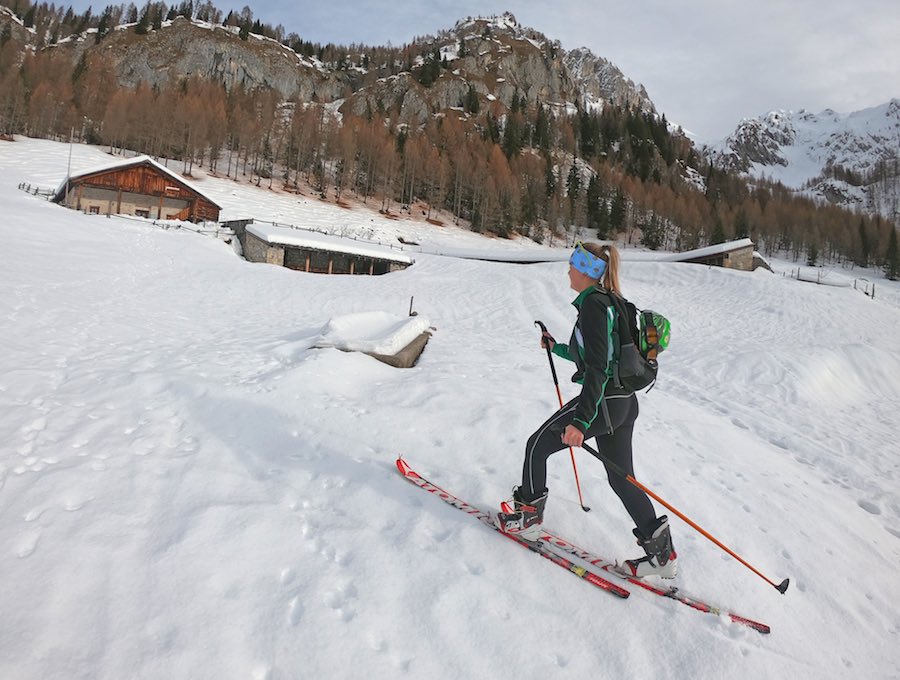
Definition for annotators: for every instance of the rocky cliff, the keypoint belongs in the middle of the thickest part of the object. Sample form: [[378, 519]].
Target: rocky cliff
[[495, 56]]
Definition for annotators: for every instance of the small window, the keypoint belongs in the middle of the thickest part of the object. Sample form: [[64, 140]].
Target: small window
[[142, 213], [94, 210]]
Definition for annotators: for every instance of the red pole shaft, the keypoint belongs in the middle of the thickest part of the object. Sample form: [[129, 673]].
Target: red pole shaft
[[780, 587], [572, 456]]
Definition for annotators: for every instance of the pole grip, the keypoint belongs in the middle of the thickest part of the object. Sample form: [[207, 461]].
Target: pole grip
[[549, 357]]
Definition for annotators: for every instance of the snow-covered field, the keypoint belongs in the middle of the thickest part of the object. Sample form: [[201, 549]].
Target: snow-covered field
[[188, 489]]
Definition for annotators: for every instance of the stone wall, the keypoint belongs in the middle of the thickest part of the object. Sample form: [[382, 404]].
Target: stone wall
[[257, 250], [742, 259], [739, 258]]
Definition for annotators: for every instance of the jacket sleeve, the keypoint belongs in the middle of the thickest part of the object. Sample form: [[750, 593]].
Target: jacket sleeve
[[597, 321], [561, 349]]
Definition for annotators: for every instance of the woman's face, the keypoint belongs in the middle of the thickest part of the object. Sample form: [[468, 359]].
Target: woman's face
[[578, 281]]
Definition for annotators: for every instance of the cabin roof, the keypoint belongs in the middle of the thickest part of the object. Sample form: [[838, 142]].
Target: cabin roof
[[709, 251], [316, 241], [133, 162]]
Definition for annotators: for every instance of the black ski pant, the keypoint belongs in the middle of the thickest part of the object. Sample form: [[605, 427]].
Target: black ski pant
[[615, 445]]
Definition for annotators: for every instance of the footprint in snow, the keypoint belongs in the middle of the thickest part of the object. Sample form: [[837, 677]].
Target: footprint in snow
[[474, 569], [341, 601], [287, 576], [739, 423], [295, 611], [559, 660], [869, 506], [378, 644], [27, 544], [440, 535]]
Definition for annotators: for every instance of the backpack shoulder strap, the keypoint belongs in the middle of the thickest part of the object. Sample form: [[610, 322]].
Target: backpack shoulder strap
[[624, 320]]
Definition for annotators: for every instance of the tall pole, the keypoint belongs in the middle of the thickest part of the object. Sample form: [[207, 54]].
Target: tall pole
[[544, 333], [69, 166]]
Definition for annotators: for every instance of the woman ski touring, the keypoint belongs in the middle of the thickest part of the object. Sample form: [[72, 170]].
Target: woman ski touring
[[602, 411]]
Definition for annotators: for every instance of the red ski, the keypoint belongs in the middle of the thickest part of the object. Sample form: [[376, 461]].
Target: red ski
[[568, 555], [564, 547], [487, 519]]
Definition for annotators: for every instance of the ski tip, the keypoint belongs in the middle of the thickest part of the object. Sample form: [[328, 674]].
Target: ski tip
[[783, 586]]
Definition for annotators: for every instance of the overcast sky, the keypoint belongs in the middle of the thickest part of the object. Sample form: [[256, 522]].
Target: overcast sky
[[706, 64]]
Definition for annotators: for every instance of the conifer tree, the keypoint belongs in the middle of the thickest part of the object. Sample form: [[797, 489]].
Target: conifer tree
[[892, 257], [812, 254], [471, 104], [512, 135], [652, 233], [573, 183], [603, 220], [741, 225], [718, 234], [864, 249], [143, 24], [542, 130], [617, 211]]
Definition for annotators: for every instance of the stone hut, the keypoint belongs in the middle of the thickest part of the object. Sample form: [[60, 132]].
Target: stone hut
[[731, 255], [137, 186], [310, 251]]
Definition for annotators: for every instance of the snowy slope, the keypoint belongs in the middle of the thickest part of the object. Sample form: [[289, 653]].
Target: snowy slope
[[188, 490]]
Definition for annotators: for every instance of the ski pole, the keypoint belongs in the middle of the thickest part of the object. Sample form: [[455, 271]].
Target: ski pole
[[559, 396], [781, 587]]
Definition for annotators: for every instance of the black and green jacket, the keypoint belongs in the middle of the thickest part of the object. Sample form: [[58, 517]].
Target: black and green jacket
[[591, 347]]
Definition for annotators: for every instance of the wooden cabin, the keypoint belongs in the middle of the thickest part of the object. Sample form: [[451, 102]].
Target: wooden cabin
[[310, 251], [138, 186]]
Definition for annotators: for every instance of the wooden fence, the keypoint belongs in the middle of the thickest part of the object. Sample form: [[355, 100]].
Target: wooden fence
[[862, 285]]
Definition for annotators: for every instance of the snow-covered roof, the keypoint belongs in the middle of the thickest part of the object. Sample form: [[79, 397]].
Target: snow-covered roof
[[310, 239], [130, 162], [708, 251]]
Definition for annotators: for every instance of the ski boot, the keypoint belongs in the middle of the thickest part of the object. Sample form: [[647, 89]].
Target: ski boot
[[660, 559], [520, 518]]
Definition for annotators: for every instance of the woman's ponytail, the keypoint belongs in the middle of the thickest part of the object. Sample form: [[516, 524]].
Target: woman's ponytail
[[610, 255]]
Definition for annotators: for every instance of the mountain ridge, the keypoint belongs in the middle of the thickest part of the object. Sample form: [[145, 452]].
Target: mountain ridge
[[848, 159], [502, 59]]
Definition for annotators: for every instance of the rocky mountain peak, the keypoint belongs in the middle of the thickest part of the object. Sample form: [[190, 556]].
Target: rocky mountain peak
[[601, 81]]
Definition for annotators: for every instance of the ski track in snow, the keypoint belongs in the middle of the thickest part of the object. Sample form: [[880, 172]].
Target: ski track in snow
[[189, 490]]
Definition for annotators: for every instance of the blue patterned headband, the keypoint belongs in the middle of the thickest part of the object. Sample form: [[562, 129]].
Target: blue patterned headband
[[587, 263]]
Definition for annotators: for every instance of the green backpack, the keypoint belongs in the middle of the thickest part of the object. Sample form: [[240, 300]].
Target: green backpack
[[640, 336]]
